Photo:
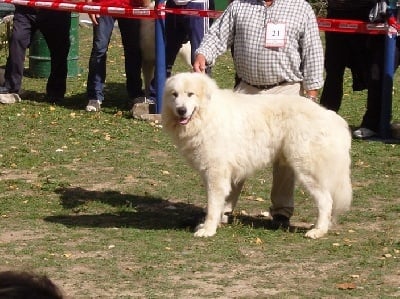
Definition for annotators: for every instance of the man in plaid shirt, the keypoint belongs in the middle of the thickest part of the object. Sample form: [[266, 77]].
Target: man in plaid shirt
[[277, 49]]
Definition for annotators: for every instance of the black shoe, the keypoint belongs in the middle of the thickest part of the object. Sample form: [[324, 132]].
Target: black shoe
[[53, 99], [4, 89], [280, 222]]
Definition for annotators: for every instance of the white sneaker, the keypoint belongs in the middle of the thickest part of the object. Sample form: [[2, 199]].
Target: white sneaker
[[9, 98], [93, 106], [140, 100], [363, 133]]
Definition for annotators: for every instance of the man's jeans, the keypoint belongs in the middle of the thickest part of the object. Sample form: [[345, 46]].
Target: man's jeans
[[129, 29]]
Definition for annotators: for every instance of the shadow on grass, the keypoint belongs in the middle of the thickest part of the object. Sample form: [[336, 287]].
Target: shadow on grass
[[267, 223], [145, 212], [388, 140], [116, 99]]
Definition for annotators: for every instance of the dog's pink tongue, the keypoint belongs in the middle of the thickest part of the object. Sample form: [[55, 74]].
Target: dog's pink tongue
[[184, 121]]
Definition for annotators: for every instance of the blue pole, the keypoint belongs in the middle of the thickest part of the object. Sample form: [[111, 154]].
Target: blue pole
[[160, 73], [388, 74]]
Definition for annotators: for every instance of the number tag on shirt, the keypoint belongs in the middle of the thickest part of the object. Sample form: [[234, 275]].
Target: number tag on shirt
[[275, 35]]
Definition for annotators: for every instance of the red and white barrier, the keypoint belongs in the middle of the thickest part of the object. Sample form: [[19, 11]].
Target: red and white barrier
[[101, 7]]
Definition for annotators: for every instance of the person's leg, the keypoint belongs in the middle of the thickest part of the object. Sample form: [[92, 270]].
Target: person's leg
[[176, 34], [98, 58], [372, 115], [335, 64], [24, 24], [282, 193], [130, 35], [58, 42], [198, 26], [357, 61], [283, 183]]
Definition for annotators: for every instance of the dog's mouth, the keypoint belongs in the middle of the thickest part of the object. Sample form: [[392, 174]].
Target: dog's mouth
[[184, 120]]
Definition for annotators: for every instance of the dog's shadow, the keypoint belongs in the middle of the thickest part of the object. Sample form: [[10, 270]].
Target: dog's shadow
[[257, 221], [142, 212]]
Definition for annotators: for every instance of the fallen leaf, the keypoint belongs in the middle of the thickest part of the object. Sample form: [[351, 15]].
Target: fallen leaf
[[346, 286]]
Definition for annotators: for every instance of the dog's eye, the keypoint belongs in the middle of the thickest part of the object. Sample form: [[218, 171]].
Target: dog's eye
[[190, 94], [175, 94]]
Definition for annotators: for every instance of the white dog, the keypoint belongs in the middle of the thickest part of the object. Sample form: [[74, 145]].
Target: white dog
[[226, 136]]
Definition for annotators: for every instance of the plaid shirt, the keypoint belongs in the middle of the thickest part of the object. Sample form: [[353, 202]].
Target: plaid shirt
[[243, 25]]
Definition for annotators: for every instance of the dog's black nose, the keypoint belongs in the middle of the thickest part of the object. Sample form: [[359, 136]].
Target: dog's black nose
[[181, 111]]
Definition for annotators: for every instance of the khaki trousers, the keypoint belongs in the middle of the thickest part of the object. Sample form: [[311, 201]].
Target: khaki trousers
[[283, 181]]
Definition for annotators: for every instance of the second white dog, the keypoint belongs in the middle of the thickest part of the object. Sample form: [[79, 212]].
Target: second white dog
[[226, 136]]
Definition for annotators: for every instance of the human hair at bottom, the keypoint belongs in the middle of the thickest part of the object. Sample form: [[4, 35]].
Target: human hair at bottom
[[24, 285]]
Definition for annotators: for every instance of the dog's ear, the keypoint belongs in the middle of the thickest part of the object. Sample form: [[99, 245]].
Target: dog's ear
[[169, 82]]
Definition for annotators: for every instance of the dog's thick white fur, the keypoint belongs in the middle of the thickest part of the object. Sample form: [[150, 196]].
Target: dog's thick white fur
[[148, 50], [226, 136]]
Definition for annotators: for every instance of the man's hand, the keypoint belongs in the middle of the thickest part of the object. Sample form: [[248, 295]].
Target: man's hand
[[199, 65], [94, 18], [312, 95]]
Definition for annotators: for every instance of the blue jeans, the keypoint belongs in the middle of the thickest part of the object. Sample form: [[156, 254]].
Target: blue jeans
[[129, 29]]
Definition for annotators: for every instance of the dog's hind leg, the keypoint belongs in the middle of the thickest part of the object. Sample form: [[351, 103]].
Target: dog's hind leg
[[324, 202], [218, 189], [231, 200]]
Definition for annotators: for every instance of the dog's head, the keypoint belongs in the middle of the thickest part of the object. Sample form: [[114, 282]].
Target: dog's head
[[185, 94]]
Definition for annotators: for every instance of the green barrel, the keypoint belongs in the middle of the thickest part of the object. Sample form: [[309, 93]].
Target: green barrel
[[6, 9], [221, 4], [39, 54]]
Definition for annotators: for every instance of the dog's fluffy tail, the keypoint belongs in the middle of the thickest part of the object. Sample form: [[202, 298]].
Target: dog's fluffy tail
[[342, 193], [341, 188], [342, 197]]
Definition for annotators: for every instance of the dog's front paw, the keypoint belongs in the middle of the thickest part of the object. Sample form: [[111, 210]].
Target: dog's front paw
[[315, 233], [204, 231]]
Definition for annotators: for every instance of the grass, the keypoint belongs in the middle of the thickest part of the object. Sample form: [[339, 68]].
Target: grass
[[105, 206]]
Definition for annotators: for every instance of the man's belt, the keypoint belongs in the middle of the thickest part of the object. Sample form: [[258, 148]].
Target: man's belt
[[269, 86]]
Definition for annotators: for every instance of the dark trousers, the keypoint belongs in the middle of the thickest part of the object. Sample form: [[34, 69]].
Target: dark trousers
[[55, 26], [343, 50], [376, 50], [130, 30], [181, 28]]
